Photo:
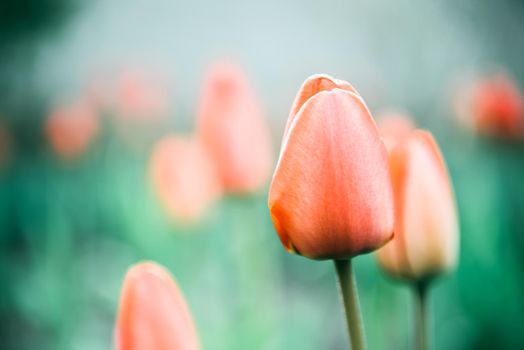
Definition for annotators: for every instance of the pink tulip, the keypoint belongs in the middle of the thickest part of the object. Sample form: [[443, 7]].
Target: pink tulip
[[183, 177], [232, 127], [498, 107], [71, 129], [153, 313], [426, 229], [331, 195]]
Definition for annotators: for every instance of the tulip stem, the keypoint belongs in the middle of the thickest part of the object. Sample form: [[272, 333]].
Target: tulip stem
[[348, 288], [421, 315]]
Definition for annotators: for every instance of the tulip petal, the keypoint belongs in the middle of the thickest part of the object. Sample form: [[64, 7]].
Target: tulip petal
[[312, 86]]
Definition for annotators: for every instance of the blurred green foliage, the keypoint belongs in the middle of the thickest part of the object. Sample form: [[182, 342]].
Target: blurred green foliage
[[71, 229]]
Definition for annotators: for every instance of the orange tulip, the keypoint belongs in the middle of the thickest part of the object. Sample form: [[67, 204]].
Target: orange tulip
[[71, 129], [153, 313], [498, 107], [331, 194], [394, 126], [231, 125], [426, 228], [183, 177]]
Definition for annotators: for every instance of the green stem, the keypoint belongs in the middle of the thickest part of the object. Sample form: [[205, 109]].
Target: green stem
[[421, 315], [348, 288]]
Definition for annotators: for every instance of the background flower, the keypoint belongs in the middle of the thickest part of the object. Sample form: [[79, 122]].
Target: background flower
[[183, 177], [233, 128], [426, 227], [70, 129]]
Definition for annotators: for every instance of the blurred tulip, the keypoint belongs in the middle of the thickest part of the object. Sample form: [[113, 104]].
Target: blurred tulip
[[492, 106], [231, 125], [141, 96], [183, 177], [331, 194], [426, 229], [498, 107], [71, 129], [153, 313], [393, 126]]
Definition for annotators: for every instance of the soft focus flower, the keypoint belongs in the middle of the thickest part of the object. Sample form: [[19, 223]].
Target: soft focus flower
[[70, 129], [393, 126], [331, 193], [153, 313], [231, 125], [141, 96], [498, 107], [426, 229], [492, 106], [183, 177]]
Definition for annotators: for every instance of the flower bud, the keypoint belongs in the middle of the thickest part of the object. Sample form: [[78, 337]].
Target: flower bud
[[498, 107], [153, 313], [232, 127], [426, 230], [70, 129], [331, 194], [183, 177]]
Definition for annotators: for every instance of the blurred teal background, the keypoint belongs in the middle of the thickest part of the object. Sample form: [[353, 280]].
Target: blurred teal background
[[70, 230]]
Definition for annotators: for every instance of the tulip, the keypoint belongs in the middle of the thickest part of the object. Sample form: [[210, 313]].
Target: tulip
[[492, 106], [331, 195], [426, 229], [183, 177], [393, 126], [153, 313], [498, 107], [230, 123], [70, 129]]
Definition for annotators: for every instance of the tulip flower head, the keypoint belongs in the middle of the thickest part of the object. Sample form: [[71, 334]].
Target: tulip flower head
[[71, 129], [183, 177], [498, 107], [153, 313], [492, 106], [426, 227], [231, 125], [331, 195]]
